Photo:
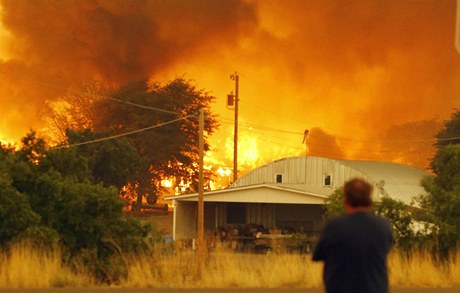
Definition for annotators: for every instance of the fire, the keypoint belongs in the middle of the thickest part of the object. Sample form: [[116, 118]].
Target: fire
[[166, 183], [349, 73]]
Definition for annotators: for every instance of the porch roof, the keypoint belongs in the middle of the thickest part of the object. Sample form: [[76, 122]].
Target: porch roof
[[262, 193]]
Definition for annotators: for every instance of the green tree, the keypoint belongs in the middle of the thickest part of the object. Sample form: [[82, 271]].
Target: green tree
[[397, 213], [114, 162], [401, 220], [334, 204], [16, 214], [18, 221], [37, 200], [33, 147], [171, 149], [442, 202]]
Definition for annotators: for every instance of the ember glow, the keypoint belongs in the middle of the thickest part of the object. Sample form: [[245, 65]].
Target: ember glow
[[369, 79]]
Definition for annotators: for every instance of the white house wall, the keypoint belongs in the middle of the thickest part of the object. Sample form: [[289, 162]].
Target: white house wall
[[185, 215]]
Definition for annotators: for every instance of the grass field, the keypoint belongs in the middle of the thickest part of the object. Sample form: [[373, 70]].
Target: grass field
[[24, 267]]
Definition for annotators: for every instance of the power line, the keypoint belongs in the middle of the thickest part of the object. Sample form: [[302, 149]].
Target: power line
[[141, 106], [69, 90], [123, 134], [339, 138]]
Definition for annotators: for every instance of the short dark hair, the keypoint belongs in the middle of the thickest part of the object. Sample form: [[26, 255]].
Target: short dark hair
[[358, 193]]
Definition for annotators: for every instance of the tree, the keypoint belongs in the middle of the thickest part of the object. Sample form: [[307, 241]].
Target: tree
[[113, 162], [171, 149], [76, 110], [52, 193], [401, 220], [16, 214], [397, 213], [334, 204], [450, 133], [442, 202]]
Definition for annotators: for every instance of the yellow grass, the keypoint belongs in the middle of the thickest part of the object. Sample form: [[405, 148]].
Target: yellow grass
[[225, 269], [24, 267], [421, 271]]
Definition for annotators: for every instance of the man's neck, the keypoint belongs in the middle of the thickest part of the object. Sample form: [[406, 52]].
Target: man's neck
[[351, 210]]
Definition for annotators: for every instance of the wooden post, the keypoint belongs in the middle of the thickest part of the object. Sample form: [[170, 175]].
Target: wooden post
[[236, 78], [200, 243]]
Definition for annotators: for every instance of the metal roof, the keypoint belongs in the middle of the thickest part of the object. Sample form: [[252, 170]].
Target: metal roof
[[305, 176], [400, 182]]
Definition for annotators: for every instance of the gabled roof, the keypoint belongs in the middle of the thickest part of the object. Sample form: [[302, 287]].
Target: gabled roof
[[261, 193]]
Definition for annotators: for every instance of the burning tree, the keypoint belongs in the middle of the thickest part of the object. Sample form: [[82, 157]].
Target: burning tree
[[164, 125]]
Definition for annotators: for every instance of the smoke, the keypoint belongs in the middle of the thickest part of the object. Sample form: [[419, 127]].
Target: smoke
[[369, 64], [322, 144], [353, 69], [70, 42]]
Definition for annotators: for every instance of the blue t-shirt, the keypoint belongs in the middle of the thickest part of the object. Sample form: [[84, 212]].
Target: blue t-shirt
[[354, 248]]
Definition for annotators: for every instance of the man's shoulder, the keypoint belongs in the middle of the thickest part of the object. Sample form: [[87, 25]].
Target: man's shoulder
[[358, 217], [338, 221]]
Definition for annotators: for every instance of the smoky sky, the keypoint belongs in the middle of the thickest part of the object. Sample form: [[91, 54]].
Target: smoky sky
[[118, 40], [352, 68], [66, 43]]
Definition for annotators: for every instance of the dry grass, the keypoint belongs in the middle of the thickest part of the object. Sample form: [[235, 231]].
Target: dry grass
[[23, 267], [421, 271], [225, 269]]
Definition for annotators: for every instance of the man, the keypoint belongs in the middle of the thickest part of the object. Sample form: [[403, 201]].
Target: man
[[355, 246]]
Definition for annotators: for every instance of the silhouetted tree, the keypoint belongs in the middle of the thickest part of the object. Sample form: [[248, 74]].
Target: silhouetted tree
[[171, 148]]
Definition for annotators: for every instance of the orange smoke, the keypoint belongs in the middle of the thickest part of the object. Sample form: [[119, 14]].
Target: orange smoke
[[356, 73]]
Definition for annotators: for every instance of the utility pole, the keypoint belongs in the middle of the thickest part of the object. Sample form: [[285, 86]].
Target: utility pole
[[235, 77], [200, 243], [304, 141]]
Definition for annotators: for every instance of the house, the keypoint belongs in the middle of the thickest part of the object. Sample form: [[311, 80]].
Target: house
[[290, 193]]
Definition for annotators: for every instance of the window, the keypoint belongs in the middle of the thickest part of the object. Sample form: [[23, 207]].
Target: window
[[327, 180], [279, 178]]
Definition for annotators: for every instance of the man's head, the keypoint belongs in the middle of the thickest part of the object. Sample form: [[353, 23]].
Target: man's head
[[357, 195]]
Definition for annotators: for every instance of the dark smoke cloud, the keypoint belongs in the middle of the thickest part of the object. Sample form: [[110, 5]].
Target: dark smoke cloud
[[322, 144], [117, 39], [69, 42]]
